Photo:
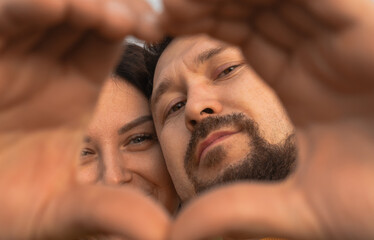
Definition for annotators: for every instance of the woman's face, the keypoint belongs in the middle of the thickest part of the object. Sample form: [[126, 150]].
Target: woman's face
[[121, 145]]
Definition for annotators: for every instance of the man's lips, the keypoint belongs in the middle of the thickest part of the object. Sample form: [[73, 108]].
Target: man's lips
[[211, 140]]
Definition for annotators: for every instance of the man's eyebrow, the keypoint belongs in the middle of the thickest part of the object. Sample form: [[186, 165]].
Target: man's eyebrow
[[209, 53], [134, 123], [160, 90], [200, 59], [87, 139]]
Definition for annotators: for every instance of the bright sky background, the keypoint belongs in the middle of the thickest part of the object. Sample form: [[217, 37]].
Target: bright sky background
[[156, 4]]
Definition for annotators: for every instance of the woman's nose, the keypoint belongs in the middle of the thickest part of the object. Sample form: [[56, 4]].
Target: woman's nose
[[115, 171]]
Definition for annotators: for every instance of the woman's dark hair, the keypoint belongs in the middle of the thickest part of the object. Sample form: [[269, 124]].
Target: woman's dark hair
[[152, 53], [132, 69]]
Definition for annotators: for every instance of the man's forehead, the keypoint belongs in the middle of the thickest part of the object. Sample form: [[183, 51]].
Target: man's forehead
[[184, 49], [193, 50]]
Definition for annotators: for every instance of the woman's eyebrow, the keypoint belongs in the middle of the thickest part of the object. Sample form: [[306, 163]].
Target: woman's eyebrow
[[134, 123]]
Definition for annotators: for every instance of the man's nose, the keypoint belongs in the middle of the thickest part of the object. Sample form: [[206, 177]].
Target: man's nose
[[114, 170], [201, 103]]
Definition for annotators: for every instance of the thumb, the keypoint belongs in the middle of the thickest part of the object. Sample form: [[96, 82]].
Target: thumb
[[246, 211], [92, 210]]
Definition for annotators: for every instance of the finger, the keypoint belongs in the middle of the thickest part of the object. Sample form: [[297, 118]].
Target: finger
[[93, 57], [204, 25], [18, 16], [246, 211], [182, 10], [113, 19], [147, 22], [234, 32], [102, 17], [233, 11], [299, 19], [57, 41], [266, 58], [124, 17], [336, 15], [260, 3], [276, 30], [92, 210], [15, 47]]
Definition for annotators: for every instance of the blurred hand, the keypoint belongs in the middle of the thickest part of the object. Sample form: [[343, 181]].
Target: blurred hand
[[317, 55], [319, 58], [54, 54]]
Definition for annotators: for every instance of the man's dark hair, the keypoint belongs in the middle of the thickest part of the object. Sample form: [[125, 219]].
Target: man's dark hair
[[132, 69], [152, 53]]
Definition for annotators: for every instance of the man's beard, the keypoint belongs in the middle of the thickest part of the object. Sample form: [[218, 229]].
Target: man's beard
[[264, 162]]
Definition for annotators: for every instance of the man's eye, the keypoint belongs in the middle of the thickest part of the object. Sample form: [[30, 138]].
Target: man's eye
[[176, 107], [227, 71], [86, 152], [141, 138]]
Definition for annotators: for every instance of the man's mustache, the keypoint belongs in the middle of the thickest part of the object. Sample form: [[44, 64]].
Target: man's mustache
[[211, 124]]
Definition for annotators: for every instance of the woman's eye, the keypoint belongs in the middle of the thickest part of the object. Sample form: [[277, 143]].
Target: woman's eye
[[227, 71], [141, 138], [176, 107]]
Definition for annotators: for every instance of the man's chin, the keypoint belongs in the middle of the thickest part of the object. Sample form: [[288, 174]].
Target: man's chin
[[206, 178], [215, 162]]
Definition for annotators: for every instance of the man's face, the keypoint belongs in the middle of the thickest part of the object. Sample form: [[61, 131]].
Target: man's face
[[213, 114]]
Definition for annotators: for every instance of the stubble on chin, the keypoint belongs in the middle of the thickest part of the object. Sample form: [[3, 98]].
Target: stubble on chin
[[213, 158]]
